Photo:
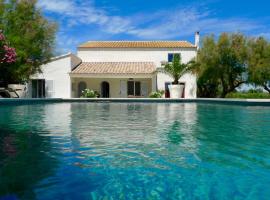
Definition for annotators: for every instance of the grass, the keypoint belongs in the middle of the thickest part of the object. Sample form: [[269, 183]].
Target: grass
[[248, 95]]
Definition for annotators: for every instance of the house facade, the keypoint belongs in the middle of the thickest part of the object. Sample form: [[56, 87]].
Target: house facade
[[115, 69]]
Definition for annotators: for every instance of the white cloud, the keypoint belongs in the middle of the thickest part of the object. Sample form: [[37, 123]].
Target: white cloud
[[184, 22], [59, 6], [165, 24], [84, 12], [162, 24]]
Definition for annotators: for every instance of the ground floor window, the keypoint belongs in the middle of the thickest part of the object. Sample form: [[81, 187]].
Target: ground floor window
[[134, 88], [81, 87], [38, 88]]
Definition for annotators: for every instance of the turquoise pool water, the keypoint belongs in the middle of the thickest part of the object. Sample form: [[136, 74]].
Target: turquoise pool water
[[134, 151]]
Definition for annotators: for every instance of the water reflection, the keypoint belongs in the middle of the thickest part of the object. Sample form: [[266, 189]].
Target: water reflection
[[174, 135], [24, 161], [27, 154], [133, 151], [238, 135], [124, 132]]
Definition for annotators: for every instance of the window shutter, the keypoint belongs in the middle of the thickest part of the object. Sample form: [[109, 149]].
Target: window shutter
[[123, 89], [49, 89]]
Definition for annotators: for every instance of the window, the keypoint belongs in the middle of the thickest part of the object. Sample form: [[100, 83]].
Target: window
[[38, 88], [171, 55], [131, 88], [137, 89], [81, 86], [134, 88]]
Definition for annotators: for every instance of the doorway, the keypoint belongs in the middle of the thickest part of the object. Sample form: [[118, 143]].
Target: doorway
[[38, 88], [134, 88], [81, 87], [105, 90]]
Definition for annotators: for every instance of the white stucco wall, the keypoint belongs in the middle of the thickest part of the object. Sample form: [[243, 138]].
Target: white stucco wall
[[145, 55], [56, 73], [188, 78], [133, 54]]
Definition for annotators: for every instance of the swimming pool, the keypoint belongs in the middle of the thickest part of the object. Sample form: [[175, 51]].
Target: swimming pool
[[134, 151]]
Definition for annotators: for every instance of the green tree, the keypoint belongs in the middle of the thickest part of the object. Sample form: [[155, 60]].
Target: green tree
[[207, 79], [221, 64], [259, 63], [32, 35], [176, 69]]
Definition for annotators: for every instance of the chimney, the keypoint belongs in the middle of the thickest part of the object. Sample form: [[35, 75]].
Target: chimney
[[197, 40]]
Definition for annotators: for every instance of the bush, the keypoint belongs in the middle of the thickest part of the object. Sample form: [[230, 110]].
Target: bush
[[255, 91], [248, 95], [87, 93], [157, 94]]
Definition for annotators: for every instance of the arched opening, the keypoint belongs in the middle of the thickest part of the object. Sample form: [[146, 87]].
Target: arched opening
[[81, 87], [105, 89]]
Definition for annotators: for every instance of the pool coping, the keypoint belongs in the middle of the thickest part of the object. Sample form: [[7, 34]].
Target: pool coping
[[244, 102]]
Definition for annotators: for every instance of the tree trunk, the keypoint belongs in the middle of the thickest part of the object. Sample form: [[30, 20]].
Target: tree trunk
[[224, 93], [175, 82], [266, 88], [224, 88]]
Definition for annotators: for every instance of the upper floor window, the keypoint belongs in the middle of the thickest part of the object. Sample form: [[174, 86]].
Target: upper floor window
[[171, 55]]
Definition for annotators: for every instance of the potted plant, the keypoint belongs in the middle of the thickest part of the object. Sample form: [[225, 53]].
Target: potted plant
[[176, 69]]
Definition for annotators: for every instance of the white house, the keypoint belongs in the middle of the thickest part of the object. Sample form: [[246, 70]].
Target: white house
[[115, 69]]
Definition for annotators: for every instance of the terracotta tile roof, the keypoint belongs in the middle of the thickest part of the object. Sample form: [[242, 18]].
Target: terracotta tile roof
[[137, 44], [115, 68]]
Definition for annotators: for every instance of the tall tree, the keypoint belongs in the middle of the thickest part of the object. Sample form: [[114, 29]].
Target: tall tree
[[31, 34], [222, 63], [259, 63], [205, 67]]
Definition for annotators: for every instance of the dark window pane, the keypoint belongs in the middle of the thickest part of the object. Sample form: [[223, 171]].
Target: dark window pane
[[38, 88], [41, 88], [137, 89], [81, 86], [131, 88], [34, 89], [170, 57]]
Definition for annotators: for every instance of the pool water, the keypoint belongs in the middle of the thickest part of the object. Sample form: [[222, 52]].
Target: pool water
[[134, 151]]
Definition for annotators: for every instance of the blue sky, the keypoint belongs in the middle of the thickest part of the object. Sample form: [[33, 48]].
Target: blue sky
[[83, 20]]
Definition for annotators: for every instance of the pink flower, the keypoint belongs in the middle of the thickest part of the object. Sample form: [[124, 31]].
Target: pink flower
[[2, 37], [9, 56]]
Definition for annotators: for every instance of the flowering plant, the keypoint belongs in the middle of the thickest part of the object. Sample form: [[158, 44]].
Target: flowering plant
[[87, 93], [7, 54]]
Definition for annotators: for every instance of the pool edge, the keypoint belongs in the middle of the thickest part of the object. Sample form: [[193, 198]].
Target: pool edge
[[244, 102]]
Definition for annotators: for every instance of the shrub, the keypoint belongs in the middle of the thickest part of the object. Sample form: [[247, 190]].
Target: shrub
[[32, 35], [87, 93], [248, 95], [157, 94]]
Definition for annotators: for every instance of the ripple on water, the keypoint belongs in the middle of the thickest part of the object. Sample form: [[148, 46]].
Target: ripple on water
[[134, 151]]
